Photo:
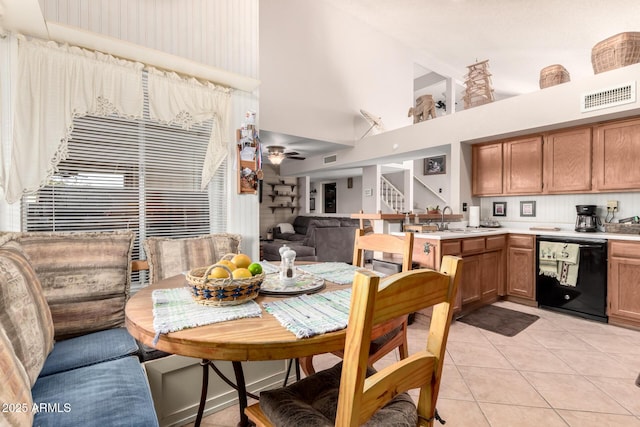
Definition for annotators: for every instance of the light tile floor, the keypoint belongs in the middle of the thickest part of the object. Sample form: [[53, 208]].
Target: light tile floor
[[561, 371]]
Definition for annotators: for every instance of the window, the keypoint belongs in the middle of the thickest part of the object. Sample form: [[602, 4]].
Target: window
[[131, 174]]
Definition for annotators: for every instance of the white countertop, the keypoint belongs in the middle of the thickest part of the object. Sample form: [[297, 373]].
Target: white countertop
[[457, 233]]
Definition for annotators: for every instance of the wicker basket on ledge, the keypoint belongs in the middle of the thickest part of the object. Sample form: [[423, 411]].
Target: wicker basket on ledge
[[553, 75], [616, 51], [624, 228], [224, 291]]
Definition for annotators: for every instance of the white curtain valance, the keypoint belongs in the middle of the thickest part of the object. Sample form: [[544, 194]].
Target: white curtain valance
[[56, 83], [175, 100]]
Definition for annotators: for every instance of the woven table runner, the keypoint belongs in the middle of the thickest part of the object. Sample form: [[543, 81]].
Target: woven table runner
[[268, 267], [174, 310], [336, 272], [309, 315]]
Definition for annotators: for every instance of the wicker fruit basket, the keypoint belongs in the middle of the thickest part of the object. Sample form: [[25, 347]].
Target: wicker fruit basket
[[222, 292], [616, 51], [553, 75]]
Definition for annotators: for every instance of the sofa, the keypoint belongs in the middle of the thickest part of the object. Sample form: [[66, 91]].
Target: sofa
[[314, 238], [65, 357]]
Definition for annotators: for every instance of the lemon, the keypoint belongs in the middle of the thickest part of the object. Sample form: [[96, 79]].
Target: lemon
[[241, 260], [241, 273], [218, 273], [255, 268], [228, 264]]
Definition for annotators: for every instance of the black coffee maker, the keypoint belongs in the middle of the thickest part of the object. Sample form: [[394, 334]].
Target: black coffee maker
[[587, 220]]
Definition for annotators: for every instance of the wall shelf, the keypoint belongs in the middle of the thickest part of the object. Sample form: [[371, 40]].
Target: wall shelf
[[275, 184], [273, 208], [291, 196]]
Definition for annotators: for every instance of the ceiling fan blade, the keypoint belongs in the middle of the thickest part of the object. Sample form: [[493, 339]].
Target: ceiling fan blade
[[296, 157], [291, 153]]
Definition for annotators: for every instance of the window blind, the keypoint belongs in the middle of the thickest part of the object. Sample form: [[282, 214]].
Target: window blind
[[131, 174]]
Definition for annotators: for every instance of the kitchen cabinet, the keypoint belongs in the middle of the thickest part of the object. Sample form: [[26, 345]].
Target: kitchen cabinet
[[471, 280], [428, 253], [616, 155], [523, 166], [487, 169], [623, 306], [507, 167], [521, 264], [482, 268], [585, 159], [567, 161]]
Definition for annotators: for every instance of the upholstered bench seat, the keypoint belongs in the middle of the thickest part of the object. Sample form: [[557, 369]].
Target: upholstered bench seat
[[113, 393], [87, 350], [65, 357]]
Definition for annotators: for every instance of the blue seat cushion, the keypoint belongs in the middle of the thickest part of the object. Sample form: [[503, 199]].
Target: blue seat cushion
[[88, 350], [114, 393]]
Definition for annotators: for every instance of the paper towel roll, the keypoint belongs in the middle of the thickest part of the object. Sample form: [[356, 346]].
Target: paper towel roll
[[474, 216]]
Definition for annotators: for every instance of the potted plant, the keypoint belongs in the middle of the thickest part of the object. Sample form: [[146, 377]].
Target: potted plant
[[433, 209]]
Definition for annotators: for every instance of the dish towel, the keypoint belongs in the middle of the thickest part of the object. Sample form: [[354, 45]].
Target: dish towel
[[561, 261], [309, 315], [174, 310]]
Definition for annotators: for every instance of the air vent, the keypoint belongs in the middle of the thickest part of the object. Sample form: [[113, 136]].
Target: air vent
[[610, 97], [330, 159]]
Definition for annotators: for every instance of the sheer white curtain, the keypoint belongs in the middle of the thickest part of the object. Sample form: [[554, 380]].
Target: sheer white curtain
[[56, 83], [176, 100]]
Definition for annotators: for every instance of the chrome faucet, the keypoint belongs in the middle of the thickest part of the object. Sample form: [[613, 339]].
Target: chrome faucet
[[442, 225]]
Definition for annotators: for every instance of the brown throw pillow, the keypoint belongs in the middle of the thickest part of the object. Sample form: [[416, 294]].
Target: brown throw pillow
[[169, 257], [24, 313], [85, 277]]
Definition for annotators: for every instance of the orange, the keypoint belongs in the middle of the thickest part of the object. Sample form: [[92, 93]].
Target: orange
[[218, 273], [241, 260], [241, 273], [228, 264]]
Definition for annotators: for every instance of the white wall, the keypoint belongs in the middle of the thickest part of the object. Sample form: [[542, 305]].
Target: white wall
[[550, 108], [319, 66], [560, 210], [424, 198], [349, 199]]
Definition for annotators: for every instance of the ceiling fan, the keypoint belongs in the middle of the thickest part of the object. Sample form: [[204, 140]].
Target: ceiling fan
[[277, 153], [376, 123]]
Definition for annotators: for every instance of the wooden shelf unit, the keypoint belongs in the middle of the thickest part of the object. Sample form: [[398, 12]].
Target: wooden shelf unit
[[247, 183], [275, 194]]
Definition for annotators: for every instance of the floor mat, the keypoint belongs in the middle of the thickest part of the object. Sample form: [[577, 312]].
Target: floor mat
[[499, 320]]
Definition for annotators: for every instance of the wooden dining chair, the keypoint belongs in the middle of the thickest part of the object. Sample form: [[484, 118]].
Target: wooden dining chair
[[352, 393], [392, 334]]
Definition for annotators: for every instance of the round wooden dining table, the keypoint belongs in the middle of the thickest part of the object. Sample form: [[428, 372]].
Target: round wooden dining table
[[247, 339]]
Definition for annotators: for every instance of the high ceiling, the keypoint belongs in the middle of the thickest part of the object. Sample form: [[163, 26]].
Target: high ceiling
[[517, 37]]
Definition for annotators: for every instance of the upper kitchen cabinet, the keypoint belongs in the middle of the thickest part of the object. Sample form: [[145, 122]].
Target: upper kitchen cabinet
[[567, 161], [487, 169], [523, 166], [616, 155]]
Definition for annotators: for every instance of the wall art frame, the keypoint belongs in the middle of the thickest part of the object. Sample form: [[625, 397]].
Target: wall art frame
[[435, 165], [499, 208]]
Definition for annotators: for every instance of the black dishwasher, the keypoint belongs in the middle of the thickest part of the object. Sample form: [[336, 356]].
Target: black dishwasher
[[584, 295]]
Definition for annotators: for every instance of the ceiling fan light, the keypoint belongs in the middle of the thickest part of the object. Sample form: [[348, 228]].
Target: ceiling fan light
[[276, 158]]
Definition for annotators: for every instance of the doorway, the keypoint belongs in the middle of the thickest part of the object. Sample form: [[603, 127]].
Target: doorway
[[330, 198]]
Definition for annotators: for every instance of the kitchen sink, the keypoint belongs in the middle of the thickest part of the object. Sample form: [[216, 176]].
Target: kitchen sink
[[468, 230]]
